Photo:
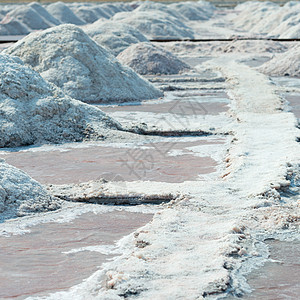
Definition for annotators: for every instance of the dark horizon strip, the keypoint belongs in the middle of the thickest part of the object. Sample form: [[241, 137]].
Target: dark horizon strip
[[224, 40], [14, 39]]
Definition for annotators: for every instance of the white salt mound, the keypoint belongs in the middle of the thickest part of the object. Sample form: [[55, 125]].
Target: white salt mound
[[44, 13], [67, 57], [30, 17], [64, 14], [11, 26], [21, 195], [147, 59], [194, 11], [34, 111], [114, 36], [155, 24], [148, 5], [88, 14], [253, 46], [283, 64]]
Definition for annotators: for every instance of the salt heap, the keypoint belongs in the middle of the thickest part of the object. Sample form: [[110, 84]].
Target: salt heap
[[67, 57], [194, 11], [21, 195], [63, 13], [34, 111], [155, 24], [44, 13], [253, 46], [89, 14], [148, 5], [283, 64], [252, 12], [114, 36], [10, 26], [147, 59], [30, 17]]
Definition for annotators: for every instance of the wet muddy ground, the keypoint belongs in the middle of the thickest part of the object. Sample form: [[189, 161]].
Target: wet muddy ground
[[42, 261], [294, 103], [279, 279], [152, 161]]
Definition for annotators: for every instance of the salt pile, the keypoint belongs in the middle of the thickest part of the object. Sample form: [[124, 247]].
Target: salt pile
[[194, 11], [251, 13], [10, 26], [89, 14], [30, 17], [269, 19], [114, 36], [253, 46], [148, 5], [44, 13], [155, 24], [34, 111], [283, 64], [147, 59], [67, 57], [64, 14], [21, 195]]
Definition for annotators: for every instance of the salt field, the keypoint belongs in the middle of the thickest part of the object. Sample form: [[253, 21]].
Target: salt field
[[149, 150]]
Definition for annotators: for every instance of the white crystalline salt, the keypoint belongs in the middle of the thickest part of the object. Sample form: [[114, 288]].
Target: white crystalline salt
[[67, 57], [64, 14], [21, 195], [145, 58], [193, 11], [155, 24], [287, 63], [114, 36], [30, 17], [44, 13], [11, 26], [87, 14], [34, 111], [148, 5]]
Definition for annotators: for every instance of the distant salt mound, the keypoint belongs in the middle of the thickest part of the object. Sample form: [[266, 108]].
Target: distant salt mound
[[114, 36], [155, 24], [253, 46], [283, 64], [291, 33], [147, 59], [89, 14], [44, 13], [284, 28], [194, 11], [148, 5], [112, 9], [67, 57], [30, 17], [10, 26], [64, 14], [252, 12], [34, 111], [21, 195]]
